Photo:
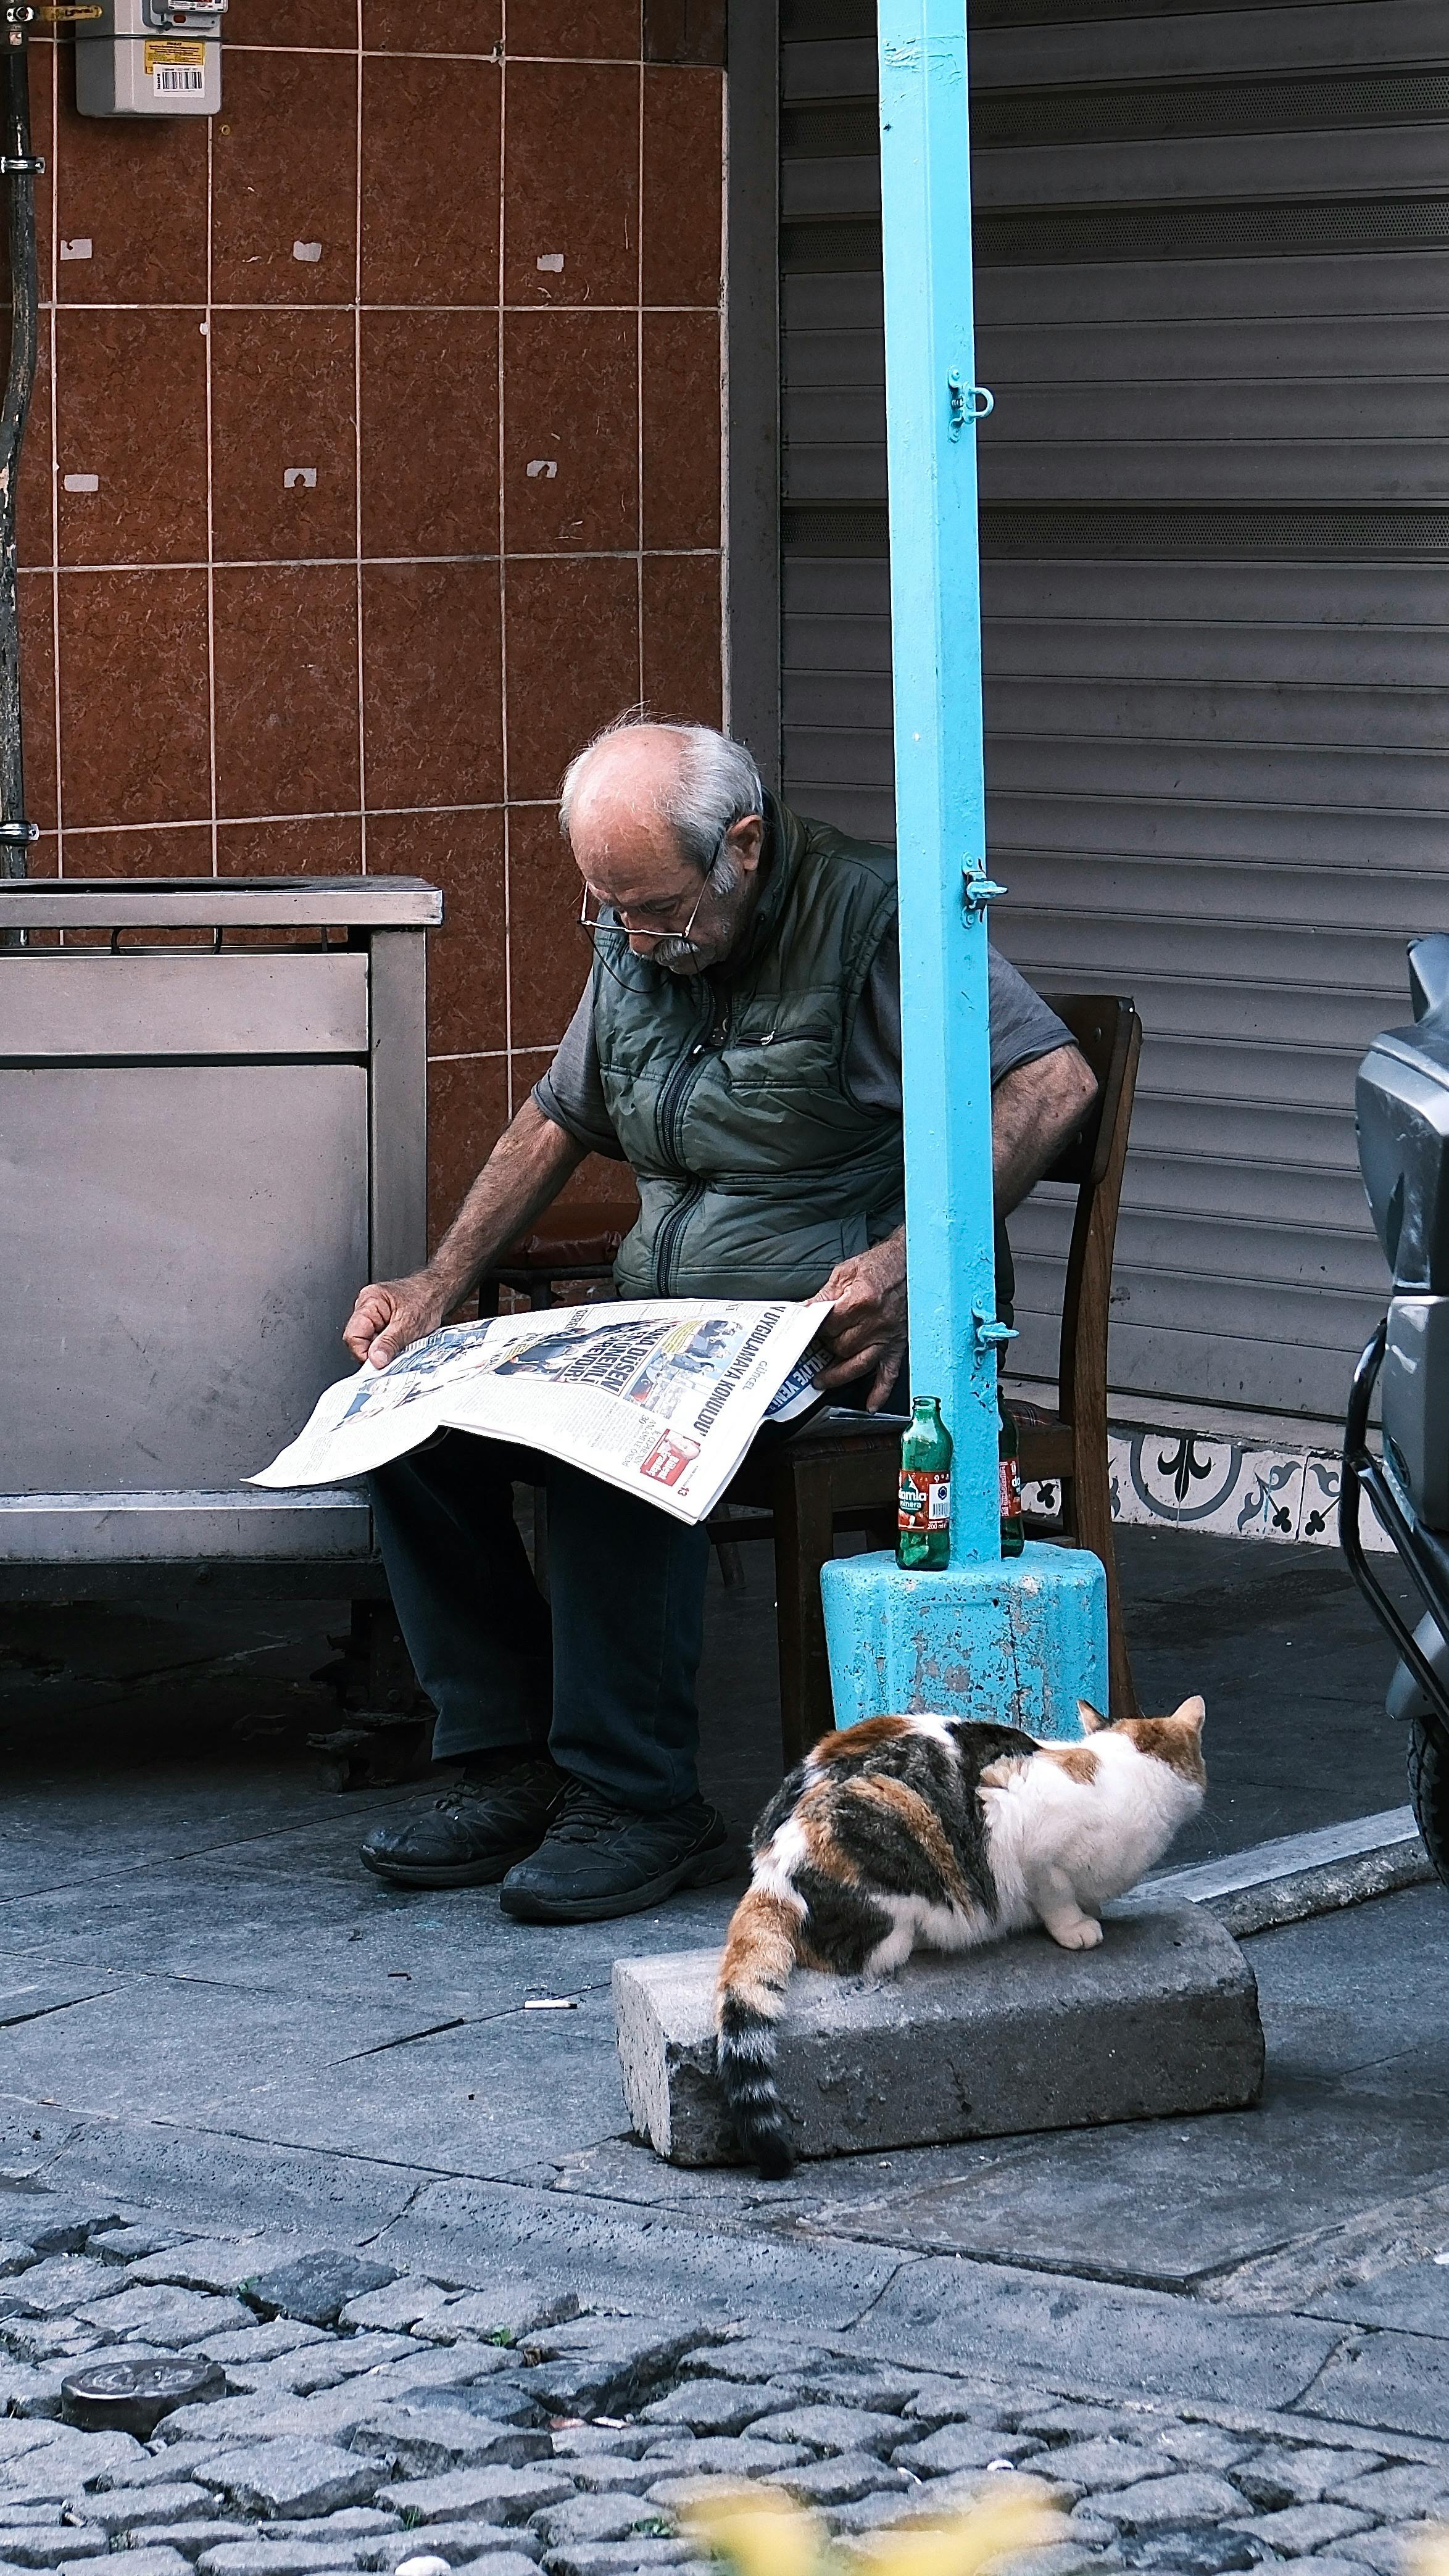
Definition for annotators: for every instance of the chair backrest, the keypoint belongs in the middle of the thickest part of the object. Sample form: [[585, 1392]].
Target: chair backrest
[[1109, 1033]]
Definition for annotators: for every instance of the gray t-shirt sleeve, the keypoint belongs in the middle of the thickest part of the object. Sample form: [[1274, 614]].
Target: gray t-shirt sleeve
[[1023, 1027], [571, 1093]]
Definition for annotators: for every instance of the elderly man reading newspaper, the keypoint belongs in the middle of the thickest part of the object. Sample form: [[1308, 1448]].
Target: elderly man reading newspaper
[[738, 1044]]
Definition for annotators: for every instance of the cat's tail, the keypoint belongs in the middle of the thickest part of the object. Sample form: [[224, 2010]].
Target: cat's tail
[[760, 1953]]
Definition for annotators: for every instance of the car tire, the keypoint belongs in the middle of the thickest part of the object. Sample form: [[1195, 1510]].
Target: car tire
[[1429, 1792]]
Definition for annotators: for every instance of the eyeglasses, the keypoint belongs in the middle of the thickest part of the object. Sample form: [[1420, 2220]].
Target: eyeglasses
[[592, 923]]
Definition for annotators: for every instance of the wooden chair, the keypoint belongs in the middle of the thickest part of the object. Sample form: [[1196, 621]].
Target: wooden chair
[[570, 1243], [839, 1475]]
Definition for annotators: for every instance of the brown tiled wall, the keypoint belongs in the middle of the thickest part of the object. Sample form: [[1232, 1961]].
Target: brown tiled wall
[[400, 382]]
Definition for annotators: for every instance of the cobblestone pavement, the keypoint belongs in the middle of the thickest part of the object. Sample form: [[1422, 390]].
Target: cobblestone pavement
[[367, 2417], [223, 2049]]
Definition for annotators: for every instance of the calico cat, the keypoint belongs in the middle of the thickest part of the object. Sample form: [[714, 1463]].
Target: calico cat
[[947, 1832]]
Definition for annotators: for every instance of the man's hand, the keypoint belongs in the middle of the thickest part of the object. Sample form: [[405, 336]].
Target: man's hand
[[867, 1323], [525, 1171], [391, 1314]]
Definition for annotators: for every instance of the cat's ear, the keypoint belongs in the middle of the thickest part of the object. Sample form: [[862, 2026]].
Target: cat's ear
[[1092, 1719], [1193, 1713]]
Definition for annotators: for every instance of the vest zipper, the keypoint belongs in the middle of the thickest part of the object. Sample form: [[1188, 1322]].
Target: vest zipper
[[671, 1108]]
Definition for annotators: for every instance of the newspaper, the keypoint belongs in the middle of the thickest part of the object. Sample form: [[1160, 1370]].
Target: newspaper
[[660, 1399]]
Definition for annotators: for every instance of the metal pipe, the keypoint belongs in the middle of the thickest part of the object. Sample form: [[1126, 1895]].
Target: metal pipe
[[20, 168], [932, 407]]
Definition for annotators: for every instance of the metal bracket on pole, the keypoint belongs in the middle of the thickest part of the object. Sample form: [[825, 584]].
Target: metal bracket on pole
[[978, 890], [968, 402], [990, 1333]]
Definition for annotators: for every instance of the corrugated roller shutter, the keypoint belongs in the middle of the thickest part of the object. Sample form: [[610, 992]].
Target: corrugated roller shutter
[[1213, 299]]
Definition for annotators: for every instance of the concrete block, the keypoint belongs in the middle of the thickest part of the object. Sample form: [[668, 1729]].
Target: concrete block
[[494, 2495], [139, 2562], [57, 2287], [316, 2287], [1303, 2528], [458, 2544], [713, 2405], [250, 2557], [843, 2480], [829, 2428], [977, 2446], [50, 2551], [1162, 2503], [616, 2557], [510, 2310], [1161, 2019], [422, 2440], [604, 2476], [603, 2369], [597, 2517], [132, 2508], [293, 2477]]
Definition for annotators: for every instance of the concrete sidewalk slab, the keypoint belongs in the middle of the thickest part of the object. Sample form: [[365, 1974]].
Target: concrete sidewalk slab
[[1298, 1875], [1161, 2019]]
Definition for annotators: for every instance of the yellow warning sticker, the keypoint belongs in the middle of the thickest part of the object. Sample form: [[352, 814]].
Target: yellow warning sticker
[[174, 49]]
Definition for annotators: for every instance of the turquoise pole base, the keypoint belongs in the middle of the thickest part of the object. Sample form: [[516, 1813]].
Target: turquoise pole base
[[1018, 1641]]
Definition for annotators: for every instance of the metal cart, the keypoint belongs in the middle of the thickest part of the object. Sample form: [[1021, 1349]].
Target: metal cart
[[212, 1129]]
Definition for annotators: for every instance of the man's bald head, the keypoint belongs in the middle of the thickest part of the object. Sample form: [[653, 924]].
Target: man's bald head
[[665, 822], [627, 785]]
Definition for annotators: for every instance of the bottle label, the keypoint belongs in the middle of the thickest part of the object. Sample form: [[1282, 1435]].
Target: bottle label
[[925, 1500], [1010, 1474]]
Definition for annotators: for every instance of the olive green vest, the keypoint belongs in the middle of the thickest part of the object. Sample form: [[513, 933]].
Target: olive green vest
[[757, 1170]]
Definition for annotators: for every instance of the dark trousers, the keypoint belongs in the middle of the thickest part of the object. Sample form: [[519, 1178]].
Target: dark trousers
[[608, 1682]]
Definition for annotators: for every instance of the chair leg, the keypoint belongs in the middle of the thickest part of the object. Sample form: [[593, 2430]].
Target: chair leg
[[1090, 1519], [804, 1539], [731, 1563]]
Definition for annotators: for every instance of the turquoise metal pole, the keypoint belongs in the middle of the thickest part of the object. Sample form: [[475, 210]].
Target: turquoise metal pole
[[931, 405], [1020, 1639]]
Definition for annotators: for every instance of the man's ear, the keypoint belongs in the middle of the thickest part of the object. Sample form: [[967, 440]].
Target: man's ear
[[746, 840]]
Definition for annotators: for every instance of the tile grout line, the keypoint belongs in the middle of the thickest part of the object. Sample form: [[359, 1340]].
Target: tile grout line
[[503, 578], [55, 454], [210, 517], [639, 384], [338, 562], [726, 676], [357, 458], [344, 304]]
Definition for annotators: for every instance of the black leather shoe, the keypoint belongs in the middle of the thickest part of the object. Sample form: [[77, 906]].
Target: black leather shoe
[[598, 1860], [475, 1834]]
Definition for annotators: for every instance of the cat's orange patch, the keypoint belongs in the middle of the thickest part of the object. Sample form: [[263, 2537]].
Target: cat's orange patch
[[1005, 1768], [1173, 1740], [1079, 1761], [759, 1951], [851, 1743], [923, 1825], [813, 1816]]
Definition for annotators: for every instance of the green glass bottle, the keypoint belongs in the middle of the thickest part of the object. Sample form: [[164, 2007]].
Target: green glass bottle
[[1013, 1534], [923, 1523]]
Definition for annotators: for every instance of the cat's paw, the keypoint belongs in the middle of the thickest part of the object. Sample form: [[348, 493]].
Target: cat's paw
[[1081, 1935]]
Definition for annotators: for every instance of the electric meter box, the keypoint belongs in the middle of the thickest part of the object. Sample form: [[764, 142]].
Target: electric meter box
[[150, 58]]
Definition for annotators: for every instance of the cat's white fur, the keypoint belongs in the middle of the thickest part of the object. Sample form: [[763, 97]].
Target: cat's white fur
[[1061, 1848]]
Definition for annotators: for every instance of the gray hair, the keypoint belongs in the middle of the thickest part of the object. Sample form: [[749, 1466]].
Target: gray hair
[[715, 786]]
